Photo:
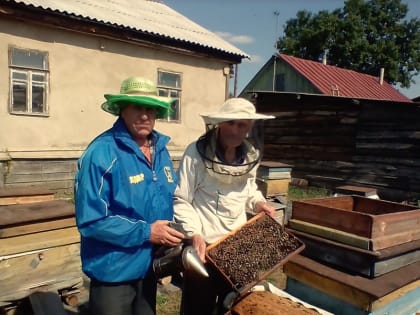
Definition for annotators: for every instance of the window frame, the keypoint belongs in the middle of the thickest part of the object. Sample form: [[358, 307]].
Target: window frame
[[169, 90], [29, 82]]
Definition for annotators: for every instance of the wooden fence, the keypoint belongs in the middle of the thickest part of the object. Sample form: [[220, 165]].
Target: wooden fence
[[334, 141]]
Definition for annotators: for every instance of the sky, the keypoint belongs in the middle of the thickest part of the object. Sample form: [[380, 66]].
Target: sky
[[254, 26]]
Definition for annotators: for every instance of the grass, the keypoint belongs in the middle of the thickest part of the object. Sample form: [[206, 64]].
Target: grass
[[168, 302], [296, 193]]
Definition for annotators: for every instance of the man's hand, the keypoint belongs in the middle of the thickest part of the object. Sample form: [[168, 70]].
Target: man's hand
[[200, 246], [162, 234], [262, 206]]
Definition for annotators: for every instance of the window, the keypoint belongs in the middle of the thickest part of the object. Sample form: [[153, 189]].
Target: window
[[169, 85], [28, 81], [279, 83]]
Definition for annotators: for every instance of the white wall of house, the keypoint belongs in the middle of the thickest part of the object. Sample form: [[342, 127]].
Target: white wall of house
[[82, 69]]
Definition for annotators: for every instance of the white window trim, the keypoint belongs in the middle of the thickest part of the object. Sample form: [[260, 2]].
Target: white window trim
[[169, 89], [29, 83]]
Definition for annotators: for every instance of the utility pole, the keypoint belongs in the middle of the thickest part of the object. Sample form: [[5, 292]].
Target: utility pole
[[276, 14]]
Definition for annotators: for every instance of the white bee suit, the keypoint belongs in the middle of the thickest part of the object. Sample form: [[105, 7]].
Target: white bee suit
[[212, 204]]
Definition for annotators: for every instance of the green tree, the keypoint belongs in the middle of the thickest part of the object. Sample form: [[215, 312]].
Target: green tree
[[364, 36]]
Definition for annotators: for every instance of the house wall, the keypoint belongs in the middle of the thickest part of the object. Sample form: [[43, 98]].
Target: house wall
[[334, 141], [82, 69]]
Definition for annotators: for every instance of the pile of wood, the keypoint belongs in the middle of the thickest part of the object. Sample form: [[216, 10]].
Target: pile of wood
[[360, 252], [39, 245], [334, 141]]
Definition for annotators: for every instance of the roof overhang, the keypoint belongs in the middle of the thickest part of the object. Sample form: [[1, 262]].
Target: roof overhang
[[72, 22]]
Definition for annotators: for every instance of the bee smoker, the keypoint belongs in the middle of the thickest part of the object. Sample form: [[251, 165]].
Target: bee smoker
[[172, 260]]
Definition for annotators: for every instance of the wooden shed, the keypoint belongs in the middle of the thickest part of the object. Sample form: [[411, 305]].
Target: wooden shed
[[333, 141]]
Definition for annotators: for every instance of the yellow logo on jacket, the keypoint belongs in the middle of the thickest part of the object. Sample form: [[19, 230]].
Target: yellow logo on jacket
[[168, 174], [135, 179]]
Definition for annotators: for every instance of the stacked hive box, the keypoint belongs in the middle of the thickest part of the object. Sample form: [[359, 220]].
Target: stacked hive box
[[273, 179], [39, 245], [362, 255]]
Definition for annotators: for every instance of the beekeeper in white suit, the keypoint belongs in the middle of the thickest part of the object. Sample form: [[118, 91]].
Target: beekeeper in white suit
[[216, 188]]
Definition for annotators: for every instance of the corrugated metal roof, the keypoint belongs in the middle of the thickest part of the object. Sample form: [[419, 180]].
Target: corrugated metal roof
[[145, 16], [330, 79]]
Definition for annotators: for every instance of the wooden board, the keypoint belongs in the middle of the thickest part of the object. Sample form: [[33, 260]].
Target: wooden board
[[54, 224], [395, 239], [35, 212], [30, 242], [358, 215], [366, 294], [21, 275], [356, 190], [22, 192], [356, 260], [375, 244], [330, 233], [407, 303], [10, 196]]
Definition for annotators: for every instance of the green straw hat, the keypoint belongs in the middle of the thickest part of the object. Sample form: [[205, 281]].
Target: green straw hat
[[141, 92]]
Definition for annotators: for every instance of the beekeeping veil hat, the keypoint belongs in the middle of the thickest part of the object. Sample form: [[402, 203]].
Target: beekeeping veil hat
[[251, 148], [234, 109]]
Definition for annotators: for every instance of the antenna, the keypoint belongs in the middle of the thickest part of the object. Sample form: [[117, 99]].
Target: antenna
[[276, 13]]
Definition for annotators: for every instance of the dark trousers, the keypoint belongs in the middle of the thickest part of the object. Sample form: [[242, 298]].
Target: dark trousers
[[203, 296], [129, 298]]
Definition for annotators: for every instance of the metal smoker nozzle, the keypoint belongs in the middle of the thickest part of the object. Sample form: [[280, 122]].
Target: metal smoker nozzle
[[191, 261], [179, 258]]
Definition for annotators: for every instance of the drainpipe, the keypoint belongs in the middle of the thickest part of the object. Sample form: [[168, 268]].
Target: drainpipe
[[227, 71], [235, 84]]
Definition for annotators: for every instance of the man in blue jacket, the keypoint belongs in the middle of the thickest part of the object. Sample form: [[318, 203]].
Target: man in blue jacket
[[124, 201]]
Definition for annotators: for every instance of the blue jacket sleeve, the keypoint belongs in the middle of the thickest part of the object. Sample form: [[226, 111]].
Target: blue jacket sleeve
[[94, 217]]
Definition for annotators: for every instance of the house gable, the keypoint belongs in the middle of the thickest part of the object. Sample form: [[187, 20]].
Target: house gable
[[290, 74]]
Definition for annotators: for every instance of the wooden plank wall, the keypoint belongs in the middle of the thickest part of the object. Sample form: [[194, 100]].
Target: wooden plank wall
[[56, 175], [332, 141]]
